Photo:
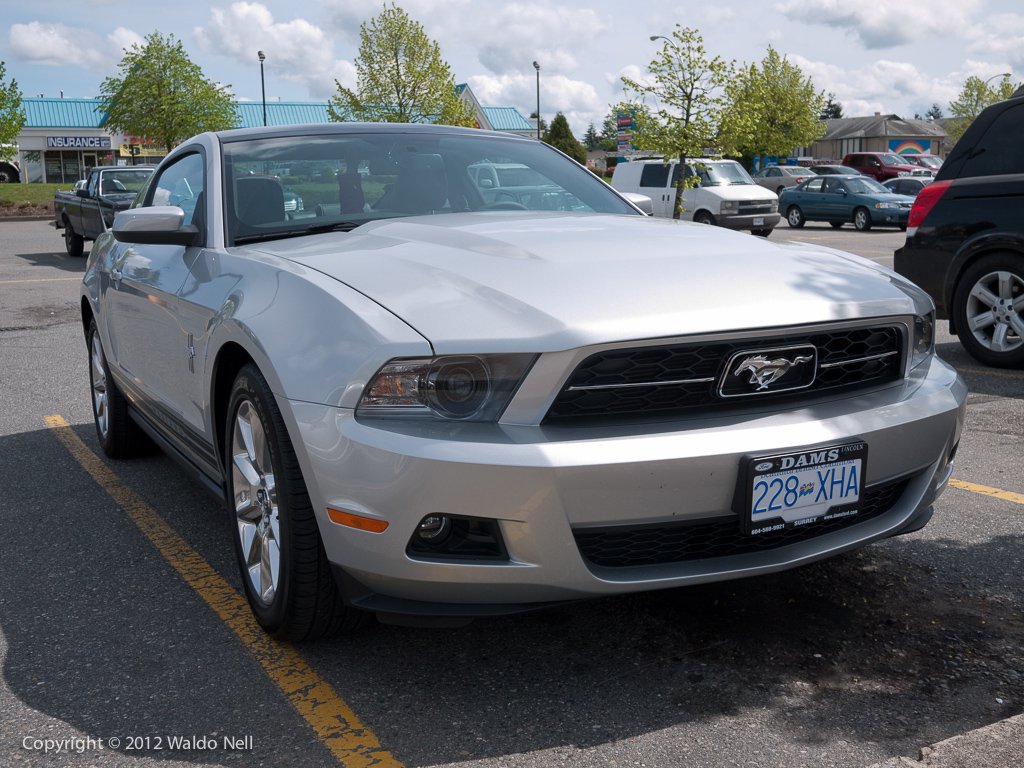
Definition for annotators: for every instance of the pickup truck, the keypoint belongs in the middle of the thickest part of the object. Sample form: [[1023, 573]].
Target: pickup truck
[[88, 211]]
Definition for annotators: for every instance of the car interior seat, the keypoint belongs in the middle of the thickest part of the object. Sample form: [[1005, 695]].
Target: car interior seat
[[421, 186]]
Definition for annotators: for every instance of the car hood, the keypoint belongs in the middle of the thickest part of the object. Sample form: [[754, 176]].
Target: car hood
[[536, 282]]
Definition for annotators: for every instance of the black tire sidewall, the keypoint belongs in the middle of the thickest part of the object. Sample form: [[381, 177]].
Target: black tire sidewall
[[866, 219], [251, 386], [994, 262], [799, 214], [74, 244]]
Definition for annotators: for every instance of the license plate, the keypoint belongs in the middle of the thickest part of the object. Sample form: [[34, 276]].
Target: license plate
[[759, 221], [795, 489]]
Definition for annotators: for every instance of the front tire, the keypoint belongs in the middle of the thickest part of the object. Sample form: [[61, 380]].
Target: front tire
[[795, 217], [988, 309], [288, 580], [862, 220], [703, 217], [119, 436], [762, 232]]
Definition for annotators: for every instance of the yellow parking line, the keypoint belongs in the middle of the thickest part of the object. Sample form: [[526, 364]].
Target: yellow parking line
[[1016, 498], [335, 724]]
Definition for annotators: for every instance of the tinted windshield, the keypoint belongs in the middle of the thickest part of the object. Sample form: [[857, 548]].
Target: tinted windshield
[[864, 185], [351, 179]]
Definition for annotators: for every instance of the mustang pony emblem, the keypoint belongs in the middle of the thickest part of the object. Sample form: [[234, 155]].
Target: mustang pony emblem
[[764, 371]]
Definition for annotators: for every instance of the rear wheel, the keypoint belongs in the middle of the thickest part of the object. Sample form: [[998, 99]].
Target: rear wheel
[[988, 309], [73, 242], [862, 220], [795, 217], [836, 224], [288, 581]]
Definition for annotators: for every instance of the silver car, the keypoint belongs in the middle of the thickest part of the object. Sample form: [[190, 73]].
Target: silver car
[[778, 177], [420, 400]]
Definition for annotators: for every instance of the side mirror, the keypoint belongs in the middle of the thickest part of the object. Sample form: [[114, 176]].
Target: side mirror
[[157, 225], [83, 192], [643, 202]]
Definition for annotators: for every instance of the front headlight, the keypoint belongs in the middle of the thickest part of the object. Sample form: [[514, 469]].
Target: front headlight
[[455, 387], [887, 205], [923, 343], [729, 207]]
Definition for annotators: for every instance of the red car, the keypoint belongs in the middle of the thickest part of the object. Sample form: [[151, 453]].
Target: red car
[[883, 166]]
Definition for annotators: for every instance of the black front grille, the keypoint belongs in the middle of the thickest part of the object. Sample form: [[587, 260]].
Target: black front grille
[[622, 547], [663, 381], [750, 207]]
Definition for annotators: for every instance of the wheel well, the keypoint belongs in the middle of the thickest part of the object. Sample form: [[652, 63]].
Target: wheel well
[[230, 360], [86, 316]]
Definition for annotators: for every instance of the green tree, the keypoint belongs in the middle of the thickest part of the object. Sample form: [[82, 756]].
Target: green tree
[[591, 139], [692, 94], [162, 95], [832, 109], [775, 108], [935, 113], [560, 137], [12, 116], [974, 97], [400, 76]]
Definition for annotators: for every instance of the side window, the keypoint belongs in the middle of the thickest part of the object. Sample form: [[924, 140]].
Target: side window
[[1001, 149], [93, 184], [181, 184], [814, 185], [774, 172], [654, 175]]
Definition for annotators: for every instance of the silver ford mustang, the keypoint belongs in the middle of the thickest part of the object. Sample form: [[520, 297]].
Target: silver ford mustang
[[469, 378]]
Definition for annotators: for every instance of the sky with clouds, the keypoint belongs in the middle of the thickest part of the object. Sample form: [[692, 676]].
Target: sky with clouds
[[884, 56]]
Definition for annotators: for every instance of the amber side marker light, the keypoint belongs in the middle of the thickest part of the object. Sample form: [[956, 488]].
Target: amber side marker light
[[369, 524]]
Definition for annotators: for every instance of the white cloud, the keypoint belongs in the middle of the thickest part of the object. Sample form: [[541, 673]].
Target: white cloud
[[884, 23], [123, 39], [576, 99], [57, 45], [999, 36], [296, 51]]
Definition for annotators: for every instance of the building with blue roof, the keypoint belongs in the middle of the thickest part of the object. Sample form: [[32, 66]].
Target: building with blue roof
[[63, 138]]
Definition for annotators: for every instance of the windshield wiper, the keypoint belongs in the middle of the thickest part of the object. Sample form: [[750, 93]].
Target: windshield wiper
[[260, 237]]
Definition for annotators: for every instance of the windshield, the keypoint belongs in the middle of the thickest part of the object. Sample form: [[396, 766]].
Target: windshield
[[865, 186], [721, 174], [895, 160], [125, 181], [288, 186]]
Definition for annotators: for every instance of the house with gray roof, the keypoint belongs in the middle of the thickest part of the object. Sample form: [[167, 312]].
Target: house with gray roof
[[878, 133]]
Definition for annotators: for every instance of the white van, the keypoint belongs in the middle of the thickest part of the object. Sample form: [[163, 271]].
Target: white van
[[726, 196]]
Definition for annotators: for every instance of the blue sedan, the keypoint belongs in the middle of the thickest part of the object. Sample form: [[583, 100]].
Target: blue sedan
[[839, 199]]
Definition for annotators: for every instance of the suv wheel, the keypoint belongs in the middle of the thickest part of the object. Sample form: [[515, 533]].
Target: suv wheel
[[988, 310]]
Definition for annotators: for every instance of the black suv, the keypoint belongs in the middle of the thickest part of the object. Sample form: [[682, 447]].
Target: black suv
[[965, 237]]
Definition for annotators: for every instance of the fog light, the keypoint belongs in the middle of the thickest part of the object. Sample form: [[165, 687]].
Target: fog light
[[433, 528]]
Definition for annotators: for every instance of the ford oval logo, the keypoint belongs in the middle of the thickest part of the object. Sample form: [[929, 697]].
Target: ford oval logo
[[763, 466]]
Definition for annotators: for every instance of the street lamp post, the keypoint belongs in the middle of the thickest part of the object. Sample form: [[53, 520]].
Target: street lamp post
[[660, 37], [263, 87], [1001, 74], [537, 67]]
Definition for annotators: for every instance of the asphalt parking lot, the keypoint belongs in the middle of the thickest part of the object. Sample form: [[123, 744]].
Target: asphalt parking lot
[[125, 641]]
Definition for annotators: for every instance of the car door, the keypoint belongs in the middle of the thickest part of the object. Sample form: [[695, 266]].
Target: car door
[[834, 204], [150, 349], [654, 182], [811, 198]]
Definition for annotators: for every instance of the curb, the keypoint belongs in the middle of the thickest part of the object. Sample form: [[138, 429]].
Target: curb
[[26, 218], [1000, 745]]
